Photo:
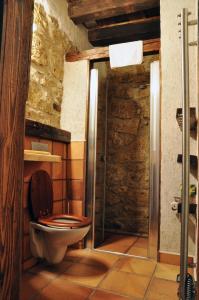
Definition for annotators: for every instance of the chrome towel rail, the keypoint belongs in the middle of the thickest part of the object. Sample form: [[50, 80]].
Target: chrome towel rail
[[184, 23]]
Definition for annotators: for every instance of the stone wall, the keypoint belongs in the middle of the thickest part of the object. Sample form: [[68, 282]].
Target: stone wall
[[49, 45], [127, 182], [54, 34]]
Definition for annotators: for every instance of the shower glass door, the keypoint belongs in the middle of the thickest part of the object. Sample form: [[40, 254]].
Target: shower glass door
[[124, 117], [96, 161]]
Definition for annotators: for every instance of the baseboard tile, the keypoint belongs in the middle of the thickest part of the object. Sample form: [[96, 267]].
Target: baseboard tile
[[171, 258]]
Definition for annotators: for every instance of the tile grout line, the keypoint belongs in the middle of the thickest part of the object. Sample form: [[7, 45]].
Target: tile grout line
[[105, 276], [131, 245], [115, 293], [79, 284], [97, 288], [150, 282], [37, 294]]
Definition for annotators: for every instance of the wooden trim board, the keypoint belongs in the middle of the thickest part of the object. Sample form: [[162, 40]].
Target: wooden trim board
[[150, 46]]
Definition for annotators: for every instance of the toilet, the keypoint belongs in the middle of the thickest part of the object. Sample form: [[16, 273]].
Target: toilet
[[50, 235]]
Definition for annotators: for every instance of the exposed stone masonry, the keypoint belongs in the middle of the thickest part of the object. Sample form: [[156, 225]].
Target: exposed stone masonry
[[127, 182], [49, 46]]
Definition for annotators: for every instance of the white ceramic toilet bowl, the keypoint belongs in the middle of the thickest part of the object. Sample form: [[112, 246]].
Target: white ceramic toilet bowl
[[51, 243]]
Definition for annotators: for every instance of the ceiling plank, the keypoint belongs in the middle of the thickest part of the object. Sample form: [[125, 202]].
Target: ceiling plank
[[142, 29], [150, 46], [82, 11]]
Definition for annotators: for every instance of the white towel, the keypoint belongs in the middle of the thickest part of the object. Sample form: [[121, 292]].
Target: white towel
[[126, 54]]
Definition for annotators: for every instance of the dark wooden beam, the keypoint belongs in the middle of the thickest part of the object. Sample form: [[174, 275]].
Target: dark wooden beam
[[150, 46], [14, 79], [142, 29], [43, 131], [1, 21], [87, 10]]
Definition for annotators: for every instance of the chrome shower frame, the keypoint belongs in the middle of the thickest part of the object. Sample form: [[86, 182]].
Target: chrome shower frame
[[185, 153], [154, 163], [154, 206], [184, 247], [91, 154]]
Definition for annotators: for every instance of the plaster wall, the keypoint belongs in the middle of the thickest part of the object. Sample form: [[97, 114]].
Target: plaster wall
[[171, 135], [75, 99]]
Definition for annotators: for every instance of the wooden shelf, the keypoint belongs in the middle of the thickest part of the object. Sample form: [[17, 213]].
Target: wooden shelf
[[193, 160], [43, 131], [193, 119], [32, 155]]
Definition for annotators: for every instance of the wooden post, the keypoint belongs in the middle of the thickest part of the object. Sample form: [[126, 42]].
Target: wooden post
[[14, 79]]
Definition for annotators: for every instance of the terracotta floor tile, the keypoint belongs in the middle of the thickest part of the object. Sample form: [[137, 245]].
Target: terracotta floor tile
[[75, 255], [27, 264], [61, 289], [96, 258], [91, 257], [51, 270], [136, 265], [31, 284], [141, 243], [161, 289], [83, 270], [138, 251], [84, 274], [101, 295], [127, 284], [166, 271], [118, 243]]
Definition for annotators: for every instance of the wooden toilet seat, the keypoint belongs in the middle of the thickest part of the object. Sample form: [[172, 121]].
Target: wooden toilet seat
[[41, 204], [75, 221]]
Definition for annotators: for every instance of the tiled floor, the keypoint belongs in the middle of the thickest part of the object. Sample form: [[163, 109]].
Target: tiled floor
[[93, 275], [126, 244]]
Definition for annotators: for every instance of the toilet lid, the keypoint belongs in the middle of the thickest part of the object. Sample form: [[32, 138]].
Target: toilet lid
[[41, 195]]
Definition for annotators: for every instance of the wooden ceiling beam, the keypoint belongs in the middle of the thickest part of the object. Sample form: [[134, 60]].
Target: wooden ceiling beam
[[96, 54], [82, 11], [141, 29]]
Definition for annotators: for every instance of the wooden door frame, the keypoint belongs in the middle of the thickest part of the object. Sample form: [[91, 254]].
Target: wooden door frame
[[14, 80]]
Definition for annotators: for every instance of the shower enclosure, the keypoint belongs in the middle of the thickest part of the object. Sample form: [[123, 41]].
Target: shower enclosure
[[123, 155]]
